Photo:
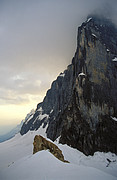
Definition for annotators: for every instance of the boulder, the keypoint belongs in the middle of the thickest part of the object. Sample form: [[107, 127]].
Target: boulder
[[40, 143]]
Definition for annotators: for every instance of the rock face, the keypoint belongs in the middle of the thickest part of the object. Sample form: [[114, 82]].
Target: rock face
[[41, 143], [81, 106]]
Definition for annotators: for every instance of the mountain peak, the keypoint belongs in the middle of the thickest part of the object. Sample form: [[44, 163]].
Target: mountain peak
[[81, 105], [101, 28], [99, 18]]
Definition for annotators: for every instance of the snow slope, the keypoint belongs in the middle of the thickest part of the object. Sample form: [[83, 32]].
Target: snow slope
[[18, 162], [17, 129], [12, 133]]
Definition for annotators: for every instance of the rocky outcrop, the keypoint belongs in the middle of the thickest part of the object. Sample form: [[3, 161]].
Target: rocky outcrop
[[40, 143], [81, 105]]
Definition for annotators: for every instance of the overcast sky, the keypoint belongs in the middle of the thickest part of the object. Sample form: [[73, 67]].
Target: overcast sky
[[37, 42]]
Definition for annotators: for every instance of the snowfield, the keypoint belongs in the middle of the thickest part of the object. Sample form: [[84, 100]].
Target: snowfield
[[18, 163]]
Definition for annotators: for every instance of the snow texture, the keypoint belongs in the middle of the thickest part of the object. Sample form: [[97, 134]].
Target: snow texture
[[29, 116], [19, 163], [41, 116], [81, 74], [40, 110], [62, 75], [115, 59], [94, 35], [114, 118], [88, 19], [51, 111]]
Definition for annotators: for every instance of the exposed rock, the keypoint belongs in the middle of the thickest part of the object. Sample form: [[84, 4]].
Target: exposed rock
[[81, 104], [40, 143], [88, 125]]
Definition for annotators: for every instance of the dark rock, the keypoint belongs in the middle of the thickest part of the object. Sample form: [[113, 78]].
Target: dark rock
[[82, 101]]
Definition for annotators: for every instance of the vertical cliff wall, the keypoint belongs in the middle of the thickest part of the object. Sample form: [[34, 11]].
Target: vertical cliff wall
[[88, 119], [81, 106]]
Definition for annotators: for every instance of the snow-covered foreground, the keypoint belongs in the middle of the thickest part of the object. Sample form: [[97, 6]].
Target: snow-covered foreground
[[18, 162]]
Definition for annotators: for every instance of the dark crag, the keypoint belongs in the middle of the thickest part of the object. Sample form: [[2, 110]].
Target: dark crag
[[82, 101]]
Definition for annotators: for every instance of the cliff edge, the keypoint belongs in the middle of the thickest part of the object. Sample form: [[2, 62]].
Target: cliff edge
[[81, 106]]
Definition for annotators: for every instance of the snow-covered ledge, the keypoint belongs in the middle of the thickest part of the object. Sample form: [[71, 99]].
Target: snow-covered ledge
[[114, 118], [81, 74], [115, 59]]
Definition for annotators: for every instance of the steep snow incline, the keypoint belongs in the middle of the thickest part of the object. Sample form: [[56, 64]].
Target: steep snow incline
[[19, 163]]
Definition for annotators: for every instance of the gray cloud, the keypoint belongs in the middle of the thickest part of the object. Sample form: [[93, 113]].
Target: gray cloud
[[38, 41]]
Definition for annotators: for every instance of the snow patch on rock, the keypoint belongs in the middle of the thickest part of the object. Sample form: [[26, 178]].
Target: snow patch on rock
[[115, 59], [81, 74], [89, 19], [114, 118], [62, 75]]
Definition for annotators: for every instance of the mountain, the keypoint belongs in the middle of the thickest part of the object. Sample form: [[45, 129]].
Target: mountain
[[81, 106], [12, 133], [17, 129]]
